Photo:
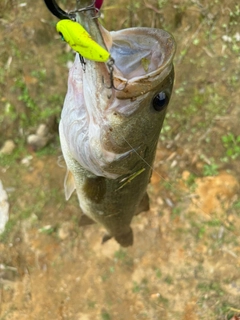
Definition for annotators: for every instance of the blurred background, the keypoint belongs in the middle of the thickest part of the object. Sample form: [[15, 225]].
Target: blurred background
[[185, 262]]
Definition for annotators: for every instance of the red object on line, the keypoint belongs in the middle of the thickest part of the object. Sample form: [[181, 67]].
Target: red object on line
[[98, 3]]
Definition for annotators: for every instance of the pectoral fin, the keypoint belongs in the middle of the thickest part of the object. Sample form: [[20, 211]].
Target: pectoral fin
[[69, 185]]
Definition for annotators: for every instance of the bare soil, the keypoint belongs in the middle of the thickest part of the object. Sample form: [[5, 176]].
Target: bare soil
[[185, 261]]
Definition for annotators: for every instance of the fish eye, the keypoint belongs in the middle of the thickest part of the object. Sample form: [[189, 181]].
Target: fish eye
[[160, 101]]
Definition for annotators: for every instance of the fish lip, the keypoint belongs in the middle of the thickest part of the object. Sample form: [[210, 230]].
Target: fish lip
[[141, 85]]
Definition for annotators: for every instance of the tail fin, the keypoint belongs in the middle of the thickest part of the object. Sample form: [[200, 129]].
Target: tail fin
[[125, 240]]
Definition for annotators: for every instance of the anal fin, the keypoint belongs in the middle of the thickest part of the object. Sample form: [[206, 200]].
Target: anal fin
[[105, 238], [85, 221]]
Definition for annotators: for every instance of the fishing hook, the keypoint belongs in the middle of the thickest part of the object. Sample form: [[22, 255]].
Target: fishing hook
[[54, 8], [90, 7], [110, 64]]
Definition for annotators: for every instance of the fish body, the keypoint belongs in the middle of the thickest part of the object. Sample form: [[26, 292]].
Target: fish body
[[109, 137], [81, 41]]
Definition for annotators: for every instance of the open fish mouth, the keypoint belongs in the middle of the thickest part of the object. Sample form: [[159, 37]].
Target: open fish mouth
[[143, 57]]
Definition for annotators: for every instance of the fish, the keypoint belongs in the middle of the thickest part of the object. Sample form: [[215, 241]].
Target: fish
[[110, 124]]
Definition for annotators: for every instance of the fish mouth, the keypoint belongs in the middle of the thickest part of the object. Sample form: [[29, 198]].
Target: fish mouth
[[143, 58]]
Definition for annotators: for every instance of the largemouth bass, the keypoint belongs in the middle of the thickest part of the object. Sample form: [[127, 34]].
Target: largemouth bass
[[109, 127]]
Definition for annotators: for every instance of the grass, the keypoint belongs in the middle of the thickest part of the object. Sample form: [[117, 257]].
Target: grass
[[236, 204], [47, 230], [25, 95], [4, 236], [232, 146], [120, 255], [205, 90], [122, 258], [17, 154], [37, 200], [91, 304], [141, 287], [105, 315], [158, 273], [210, 169]]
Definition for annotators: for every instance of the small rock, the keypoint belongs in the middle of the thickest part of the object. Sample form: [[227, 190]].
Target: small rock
[[237, 36], [37, 142], [226, 38], [4, 208], [83, 316], [69, 64], [155, 295], [7, 147], [27, 160], [107, 249], [42, 130], [65, 230], [40, 139], [185, 175], [138, 275]]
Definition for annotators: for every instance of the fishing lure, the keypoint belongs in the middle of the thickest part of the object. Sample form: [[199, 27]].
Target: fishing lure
[[98, 3], [80, 41]]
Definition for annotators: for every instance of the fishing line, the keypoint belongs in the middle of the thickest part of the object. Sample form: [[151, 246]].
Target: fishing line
[[198, 203], [160, 176]]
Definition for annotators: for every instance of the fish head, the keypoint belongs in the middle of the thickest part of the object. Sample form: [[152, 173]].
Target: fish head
[[105, 119], [144, 60]]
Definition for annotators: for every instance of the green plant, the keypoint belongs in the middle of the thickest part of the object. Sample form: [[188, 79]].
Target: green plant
[[40, 75], [236, 204], [47, 229], [120, 255], [232, 145], [158, 273], [168, 279], [105, 315], [8, 228], [24, 95], [190, 181], [91, 304], [136, 287], [210, 169]]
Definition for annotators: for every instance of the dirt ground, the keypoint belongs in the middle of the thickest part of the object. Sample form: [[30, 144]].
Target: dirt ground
[[185, 261]]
